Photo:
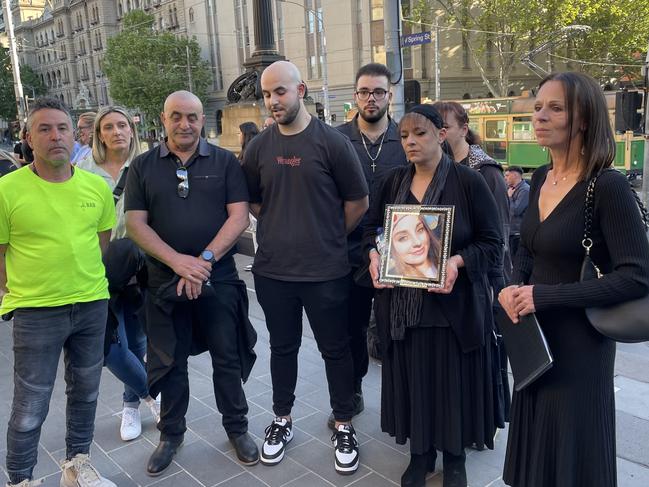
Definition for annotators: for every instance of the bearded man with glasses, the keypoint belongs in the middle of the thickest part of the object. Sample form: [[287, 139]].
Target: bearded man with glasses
[[375, 138], [186, 206]]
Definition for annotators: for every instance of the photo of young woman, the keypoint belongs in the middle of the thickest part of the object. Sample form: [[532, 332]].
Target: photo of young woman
[[414, 246]]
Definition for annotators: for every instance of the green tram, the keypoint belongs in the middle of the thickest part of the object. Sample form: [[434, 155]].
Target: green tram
[[505, 127]]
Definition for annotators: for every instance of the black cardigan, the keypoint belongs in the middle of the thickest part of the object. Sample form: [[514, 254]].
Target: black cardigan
[[477, 237], [620, 246]]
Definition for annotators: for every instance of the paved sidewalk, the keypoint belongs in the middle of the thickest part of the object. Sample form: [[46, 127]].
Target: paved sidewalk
[[206, 459]]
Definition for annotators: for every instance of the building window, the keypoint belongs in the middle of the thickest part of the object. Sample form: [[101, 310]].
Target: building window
[[191, 14], [466, 54], [377, 9], [378, 54], [311, 67], [490, 51]]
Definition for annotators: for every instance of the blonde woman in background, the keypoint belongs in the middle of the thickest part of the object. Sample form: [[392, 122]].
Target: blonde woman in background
[[115, 144]]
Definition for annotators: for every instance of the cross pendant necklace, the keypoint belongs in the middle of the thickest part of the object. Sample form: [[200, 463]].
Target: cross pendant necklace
[[373, 159]]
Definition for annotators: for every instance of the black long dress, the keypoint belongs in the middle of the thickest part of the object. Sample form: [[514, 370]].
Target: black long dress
[[562, 429], [437, 386]]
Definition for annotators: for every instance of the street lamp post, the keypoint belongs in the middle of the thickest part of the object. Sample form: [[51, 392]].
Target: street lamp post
[[323, 43], [645, 160]]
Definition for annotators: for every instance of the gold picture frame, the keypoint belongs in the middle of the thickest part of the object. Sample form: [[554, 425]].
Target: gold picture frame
[[416, 247]]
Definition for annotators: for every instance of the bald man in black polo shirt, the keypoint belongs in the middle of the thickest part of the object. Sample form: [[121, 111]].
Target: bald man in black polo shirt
[[187, 203]]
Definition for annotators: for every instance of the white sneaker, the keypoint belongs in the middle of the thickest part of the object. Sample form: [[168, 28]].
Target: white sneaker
[[346, 449], [278, 434], [131, 426], [154, 407], [27, 483], [79, 472]]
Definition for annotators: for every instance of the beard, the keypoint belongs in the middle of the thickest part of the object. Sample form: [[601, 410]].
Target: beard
[[373, 118], [290, 114]]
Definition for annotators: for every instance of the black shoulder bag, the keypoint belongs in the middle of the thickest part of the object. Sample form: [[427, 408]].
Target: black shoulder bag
[[624, 322]]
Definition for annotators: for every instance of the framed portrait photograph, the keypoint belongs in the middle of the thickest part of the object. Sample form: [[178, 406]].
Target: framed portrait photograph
[[417, 245]]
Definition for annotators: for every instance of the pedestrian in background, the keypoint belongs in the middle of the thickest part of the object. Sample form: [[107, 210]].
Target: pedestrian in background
[[562, 429], [186, 205], [308, 192], [23, 151], [83, 144], [437, 389], [115, 144], [518, 191], [268, 121], [55, 222], [247, 131], [375, 138], [462, 145]]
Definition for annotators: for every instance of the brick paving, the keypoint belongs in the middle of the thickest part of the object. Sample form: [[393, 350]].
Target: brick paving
[[206, 458]]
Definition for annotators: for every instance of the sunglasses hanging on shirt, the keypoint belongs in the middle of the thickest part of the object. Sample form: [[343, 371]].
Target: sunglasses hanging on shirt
[[183, 185]]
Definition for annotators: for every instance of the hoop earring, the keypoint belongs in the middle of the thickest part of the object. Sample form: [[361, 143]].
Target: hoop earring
[[583, 151]]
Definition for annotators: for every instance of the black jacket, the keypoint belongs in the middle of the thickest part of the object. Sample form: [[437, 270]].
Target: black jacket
[[477, 237]]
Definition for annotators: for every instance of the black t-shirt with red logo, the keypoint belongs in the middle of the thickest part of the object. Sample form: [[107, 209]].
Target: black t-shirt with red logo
[[301, 182]]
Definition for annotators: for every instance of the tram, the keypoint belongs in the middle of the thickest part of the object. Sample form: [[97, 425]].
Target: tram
[[505, 128]]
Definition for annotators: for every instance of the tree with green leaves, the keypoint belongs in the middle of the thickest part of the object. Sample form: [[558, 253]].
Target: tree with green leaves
[[32, 85], [144, 66], [507, 30]]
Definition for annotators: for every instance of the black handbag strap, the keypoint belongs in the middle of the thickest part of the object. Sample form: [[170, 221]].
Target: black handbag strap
[[589, 212], [121, 184]]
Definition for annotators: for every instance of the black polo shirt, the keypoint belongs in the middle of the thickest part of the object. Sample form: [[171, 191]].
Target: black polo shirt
[[391, 156], [189, 224]]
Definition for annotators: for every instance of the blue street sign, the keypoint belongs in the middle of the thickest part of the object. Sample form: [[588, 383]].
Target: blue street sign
[[416, 39]]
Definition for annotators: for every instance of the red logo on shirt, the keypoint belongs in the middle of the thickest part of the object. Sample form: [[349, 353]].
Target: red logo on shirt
[[289, 161]]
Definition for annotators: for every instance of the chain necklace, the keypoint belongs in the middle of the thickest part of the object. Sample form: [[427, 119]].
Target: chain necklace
[[556, 181], [373, 159]]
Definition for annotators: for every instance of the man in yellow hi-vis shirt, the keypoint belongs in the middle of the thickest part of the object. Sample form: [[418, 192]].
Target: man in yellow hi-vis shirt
[[55, 222]]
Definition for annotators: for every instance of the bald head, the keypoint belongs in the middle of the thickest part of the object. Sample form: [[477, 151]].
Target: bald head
[[282, 69], [183, 120], [283, 90], [182, 96]]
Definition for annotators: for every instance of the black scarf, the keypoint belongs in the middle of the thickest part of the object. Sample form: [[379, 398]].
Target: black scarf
[[406, 302]]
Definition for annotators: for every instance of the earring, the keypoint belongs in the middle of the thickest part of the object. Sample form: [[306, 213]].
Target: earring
[[583, 150]]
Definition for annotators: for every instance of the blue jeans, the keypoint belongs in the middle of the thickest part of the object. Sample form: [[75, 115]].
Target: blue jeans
[[125, 359], [39, 336]]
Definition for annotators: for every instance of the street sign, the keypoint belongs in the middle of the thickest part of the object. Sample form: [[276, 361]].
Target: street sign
[[416, 39]]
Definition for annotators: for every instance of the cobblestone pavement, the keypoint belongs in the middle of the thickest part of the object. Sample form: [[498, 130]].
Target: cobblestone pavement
[[207, 459]]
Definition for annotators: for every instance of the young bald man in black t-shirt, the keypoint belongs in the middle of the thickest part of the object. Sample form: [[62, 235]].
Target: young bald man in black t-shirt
[[308, 192]]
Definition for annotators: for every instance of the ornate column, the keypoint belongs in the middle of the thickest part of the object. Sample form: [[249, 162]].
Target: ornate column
[[246, 86]]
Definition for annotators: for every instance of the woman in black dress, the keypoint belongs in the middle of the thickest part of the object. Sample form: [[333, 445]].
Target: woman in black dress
[[437, 380], [562, 430]]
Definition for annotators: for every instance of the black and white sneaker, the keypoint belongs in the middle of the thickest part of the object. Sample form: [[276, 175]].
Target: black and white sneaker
[[278, 434], [346, 449]]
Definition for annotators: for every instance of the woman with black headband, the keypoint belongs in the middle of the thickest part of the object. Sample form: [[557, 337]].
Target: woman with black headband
[[437, 389]]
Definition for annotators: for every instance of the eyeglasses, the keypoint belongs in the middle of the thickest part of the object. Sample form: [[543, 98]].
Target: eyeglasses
[[183, 185], [379, 94]]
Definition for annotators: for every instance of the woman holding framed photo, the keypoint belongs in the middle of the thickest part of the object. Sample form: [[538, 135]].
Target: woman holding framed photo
[[437, 378]]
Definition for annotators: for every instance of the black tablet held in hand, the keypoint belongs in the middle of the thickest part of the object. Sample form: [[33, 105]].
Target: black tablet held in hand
[[527, 348]]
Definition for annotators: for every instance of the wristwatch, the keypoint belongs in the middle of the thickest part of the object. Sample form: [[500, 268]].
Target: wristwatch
[[208, 255]]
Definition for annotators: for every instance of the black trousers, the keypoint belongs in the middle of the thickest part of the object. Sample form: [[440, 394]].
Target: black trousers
[[514, 242], [213, 320], [325, 304], [360, 309]]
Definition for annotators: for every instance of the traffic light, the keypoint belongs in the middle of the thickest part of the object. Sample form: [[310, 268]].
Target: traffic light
[[319, 108], [14, 128]]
